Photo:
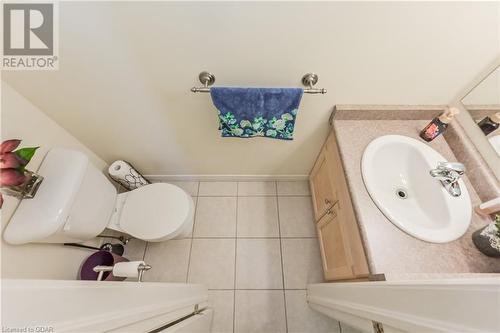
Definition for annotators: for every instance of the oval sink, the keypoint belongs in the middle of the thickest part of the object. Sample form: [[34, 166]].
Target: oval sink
[[395, 171]]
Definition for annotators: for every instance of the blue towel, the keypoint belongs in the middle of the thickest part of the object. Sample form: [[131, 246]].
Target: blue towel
[[249, 112]]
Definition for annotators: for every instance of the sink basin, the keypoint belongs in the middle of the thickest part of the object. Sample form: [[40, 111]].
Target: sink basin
[[395, 171]]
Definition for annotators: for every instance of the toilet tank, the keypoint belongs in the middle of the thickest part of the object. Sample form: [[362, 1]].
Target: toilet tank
[[74, 202]]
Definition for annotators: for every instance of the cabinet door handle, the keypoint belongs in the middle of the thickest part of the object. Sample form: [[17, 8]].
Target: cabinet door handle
[[329, 204], [331, 212]]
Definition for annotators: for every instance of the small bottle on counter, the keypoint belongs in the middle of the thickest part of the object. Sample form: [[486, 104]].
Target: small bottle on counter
[[490, 123], [439, 124]]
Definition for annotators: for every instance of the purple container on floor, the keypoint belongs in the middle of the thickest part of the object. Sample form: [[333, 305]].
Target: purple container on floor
[[100, 258]]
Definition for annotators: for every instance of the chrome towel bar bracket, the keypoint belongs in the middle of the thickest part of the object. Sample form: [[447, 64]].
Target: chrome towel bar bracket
[[308, 80]]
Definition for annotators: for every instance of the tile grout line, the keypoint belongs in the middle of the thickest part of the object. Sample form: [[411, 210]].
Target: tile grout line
[[235, 256], [252, 237], [195, 211], [192, 237], [256, 195], [294, 289], [281, 257], [192, 231]]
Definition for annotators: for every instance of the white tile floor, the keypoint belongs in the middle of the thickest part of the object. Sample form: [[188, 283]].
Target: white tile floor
[[254, 246]]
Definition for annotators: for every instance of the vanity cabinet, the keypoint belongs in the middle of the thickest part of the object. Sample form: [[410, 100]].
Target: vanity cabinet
[[341, 247]]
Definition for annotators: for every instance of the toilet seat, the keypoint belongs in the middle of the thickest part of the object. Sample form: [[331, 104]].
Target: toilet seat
[[157, 212]]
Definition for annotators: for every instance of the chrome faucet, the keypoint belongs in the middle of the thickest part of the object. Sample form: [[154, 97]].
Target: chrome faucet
[[449, 173]]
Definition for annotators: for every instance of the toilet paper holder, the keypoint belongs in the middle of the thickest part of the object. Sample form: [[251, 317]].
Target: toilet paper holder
[[102, 269]]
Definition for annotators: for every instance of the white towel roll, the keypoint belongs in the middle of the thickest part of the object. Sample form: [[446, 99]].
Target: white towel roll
[[127, 269], [126, 175]]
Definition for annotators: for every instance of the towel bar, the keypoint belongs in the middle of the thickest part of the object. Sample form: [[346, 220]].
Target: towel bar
[[308, 80]]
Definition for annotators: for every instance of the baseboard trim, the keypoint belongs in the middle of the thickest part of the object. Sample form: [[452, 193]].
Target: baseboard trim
[[226, 178]]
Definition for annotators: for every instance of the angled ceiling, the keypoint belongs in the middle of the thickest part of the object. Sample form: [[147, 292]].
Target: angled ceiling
[[126, 68]]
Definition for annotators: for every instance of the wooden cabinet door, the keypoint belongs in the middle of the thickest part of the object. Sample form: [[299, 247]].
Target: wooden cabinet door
[[334, 247], [346, 213], [323, 192]]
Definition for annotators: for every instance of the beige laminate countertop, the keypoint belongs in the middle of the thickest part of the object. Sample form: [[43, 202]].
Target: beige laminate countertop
[[390, 251]]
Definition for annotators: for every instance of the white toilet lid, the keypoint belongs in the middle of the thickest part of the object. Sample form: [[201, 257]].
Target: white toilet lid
[[155, 211]]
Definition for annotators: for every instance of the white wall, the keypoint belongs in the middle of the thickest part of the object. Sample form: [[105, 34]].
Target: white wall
[[126, 69], [22, 120]]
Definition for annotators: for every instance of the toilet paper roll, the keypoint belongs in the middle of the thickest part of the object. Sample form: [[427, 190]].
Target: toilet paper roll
[[125, 174], [127, 269]]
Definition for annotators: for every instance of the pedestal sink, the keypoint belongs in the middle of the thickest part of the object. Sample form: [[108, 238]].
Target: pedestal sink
[[395, 171]]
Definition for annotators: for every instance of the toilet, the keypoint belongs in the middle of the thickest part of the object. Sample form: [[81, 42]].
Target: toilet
[[76, 202]]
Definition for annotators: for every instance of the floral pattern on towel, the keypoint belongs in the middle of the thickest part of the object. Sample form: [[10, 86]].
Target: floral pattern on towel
[[281, 128], [257, 112]]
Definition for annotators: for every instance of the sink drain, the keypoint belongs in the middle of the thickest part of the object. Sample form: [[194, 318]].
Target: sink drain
[[401, 193]]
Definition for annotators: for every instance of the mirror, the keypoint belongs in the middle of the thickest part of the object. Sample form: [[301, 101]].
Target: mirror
[[478, 101], [483, 105]]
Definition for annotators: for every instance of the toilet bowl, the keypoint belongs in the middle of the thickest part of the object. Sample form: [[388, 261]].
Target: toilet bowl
[[154, 213]]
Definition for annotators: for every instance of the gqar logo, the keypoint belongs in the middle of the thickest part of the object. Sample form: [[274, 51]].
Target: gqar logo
[[28, 36]]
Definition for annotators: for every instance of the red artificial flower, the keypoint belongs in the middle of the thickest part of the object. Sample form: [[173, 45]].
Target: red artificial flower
[[11, 177], [10, 160], [9, 145]]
